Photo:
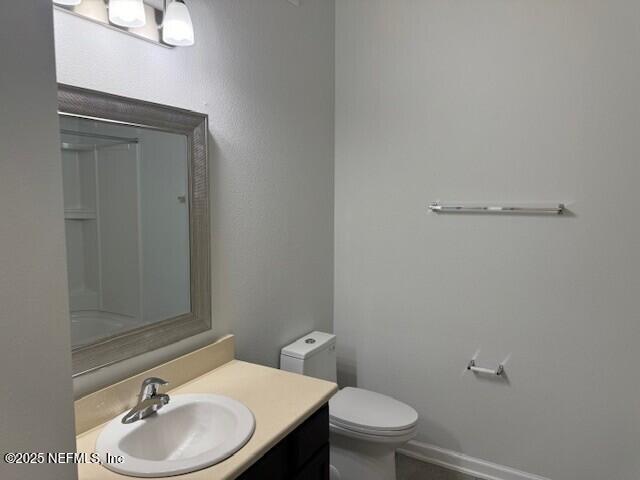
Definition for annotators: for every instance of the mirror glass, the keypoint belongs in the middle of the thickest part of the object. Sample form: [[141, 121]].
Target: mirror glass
[[126, 206]]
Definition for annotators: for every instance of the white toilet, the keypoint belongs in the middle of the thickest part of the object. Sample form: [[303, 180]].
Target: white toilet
[[366, 427]]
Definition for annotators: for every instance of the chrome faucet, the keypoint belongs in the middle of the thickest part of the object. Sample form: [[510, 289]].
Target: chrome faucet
[[149, 400]]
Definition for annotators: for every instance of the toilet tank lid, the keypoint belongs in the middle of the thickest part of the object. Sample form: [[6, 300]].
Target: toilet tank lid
[[309, 344]]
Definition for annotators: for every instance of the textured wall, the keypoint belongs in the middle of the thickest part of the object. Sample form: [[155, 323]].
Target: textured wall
[[494, 101], [36, 411], [263, 72]]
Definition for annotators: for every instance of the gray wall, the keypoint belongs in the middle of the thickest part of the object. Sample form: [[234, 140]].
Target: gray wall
[[36, 412], [494, 101], [263, 71]]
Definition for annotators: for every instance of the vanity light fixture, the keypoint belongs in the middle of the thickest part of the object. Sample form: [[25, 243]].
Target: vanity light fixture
[[177, 28], [127, 13], [163, 22]]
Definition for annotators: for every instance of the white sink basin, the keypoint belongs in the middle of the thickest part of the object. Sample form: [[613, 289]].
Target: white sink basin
[[190, 433]]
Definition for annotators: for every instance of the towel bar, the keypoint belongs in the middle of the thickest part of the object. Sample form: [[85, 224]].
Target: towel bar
[[556, 209]]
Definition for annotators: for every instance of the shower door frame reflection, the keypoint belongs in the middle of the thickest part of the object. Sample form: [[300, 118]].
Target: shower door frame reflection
[[104, 107]]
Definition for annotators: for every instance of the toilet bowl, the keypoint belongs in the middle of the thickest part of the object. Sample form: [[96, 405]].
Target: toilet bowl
[[365, 427]]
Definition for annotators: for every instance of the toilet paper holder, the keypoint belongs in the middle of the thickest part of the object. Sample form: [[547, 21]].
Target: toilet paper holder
[[475, 368]]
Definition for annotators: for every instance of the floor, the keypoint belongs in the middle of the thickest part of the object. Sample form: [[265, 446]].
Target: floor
[[410, 469]]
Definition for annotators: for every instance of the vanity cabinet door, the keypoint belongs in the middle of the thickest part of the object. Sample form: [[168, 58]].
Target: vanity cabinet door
[[308, 438], [272, 466], [302, 455], [317, 468]]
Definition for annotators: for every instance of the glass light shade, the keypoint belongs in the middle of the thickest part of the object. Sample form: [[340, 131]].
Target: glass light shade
[[127, 13], [70, 3], [177, 27], [94, 9]]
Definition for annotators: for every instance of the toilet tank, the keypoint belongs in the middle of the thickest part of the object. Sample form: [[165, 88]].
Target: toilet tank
[[313, 355]]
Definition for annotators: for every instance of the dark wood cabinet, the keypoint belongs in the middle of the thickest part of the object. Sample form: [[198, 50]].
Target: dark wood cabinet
[[302, 455]]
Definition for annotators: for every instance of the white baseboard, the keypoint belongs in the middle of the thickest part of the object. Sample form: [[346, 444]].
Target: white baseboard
[[462, 463]]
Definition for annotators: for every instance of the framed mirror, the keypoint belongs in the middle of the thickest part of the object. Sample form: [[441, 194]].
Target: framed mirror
[[136, 213]]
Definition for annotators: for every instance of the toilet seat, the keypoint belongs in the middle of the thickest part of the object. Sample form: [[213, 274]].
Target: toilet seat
[[371, 414], [397, 439]]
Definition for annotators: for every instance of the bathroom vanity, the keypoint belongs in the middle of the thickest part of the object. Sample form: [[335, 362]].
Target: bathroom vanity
[[291, 437]]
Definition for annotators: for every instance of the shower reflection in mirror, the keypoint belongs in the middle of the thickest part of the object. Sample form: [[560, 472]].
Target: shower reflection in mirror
[[127, 226]]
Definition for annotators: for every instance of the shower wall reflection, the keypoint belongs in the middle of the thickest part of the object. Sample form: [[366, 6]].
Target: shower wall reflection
[[127, 227]]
